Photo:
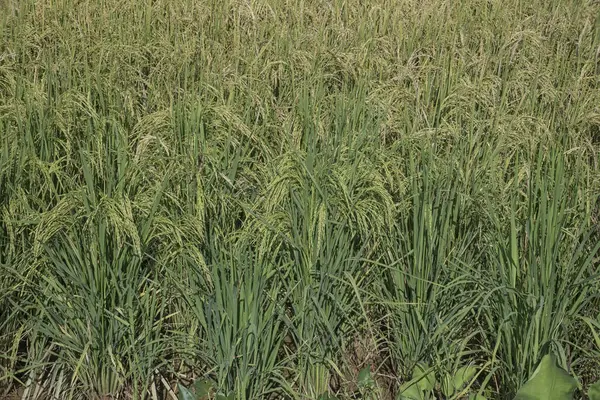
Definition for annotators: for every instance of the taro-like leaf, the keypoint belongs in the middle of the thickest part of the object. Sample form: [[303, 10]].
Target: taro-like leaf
[[230, 396], [425, 376], [594, 391], [447, 385], [364, 377], [202, 388], [453, 384], [463, 376], [423, 380], [411, 392], [548, 382], [184, 393]]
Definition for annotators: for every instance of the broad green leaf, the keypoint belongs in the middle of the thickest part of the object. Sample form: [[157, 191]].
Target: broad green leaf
[[411, 392], [425, 376], [364, 377], [464, 376], [594, 391], [202, 388], [184, 393], [448, 385], [548, 382]]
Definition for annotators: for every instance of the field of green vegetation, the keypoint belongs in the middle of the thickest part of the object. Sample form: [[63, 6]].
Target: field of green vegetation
[[298, 199]]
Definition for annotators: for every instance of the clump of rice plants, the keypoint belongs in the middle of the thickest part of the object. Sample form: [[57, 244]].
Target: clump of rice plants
[[300, 199]]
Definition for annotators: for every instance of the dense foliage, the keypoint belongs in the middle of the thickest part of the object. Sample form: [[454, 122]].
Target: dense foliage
[[269, 196]]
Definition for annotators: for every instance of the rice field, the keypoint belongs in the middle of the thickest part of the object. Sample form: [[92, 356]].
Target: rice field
[[297, 199]]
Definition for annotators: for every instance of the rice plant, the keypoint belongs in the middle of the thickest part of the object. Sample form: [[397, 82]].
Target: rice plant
[[297, 199]]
